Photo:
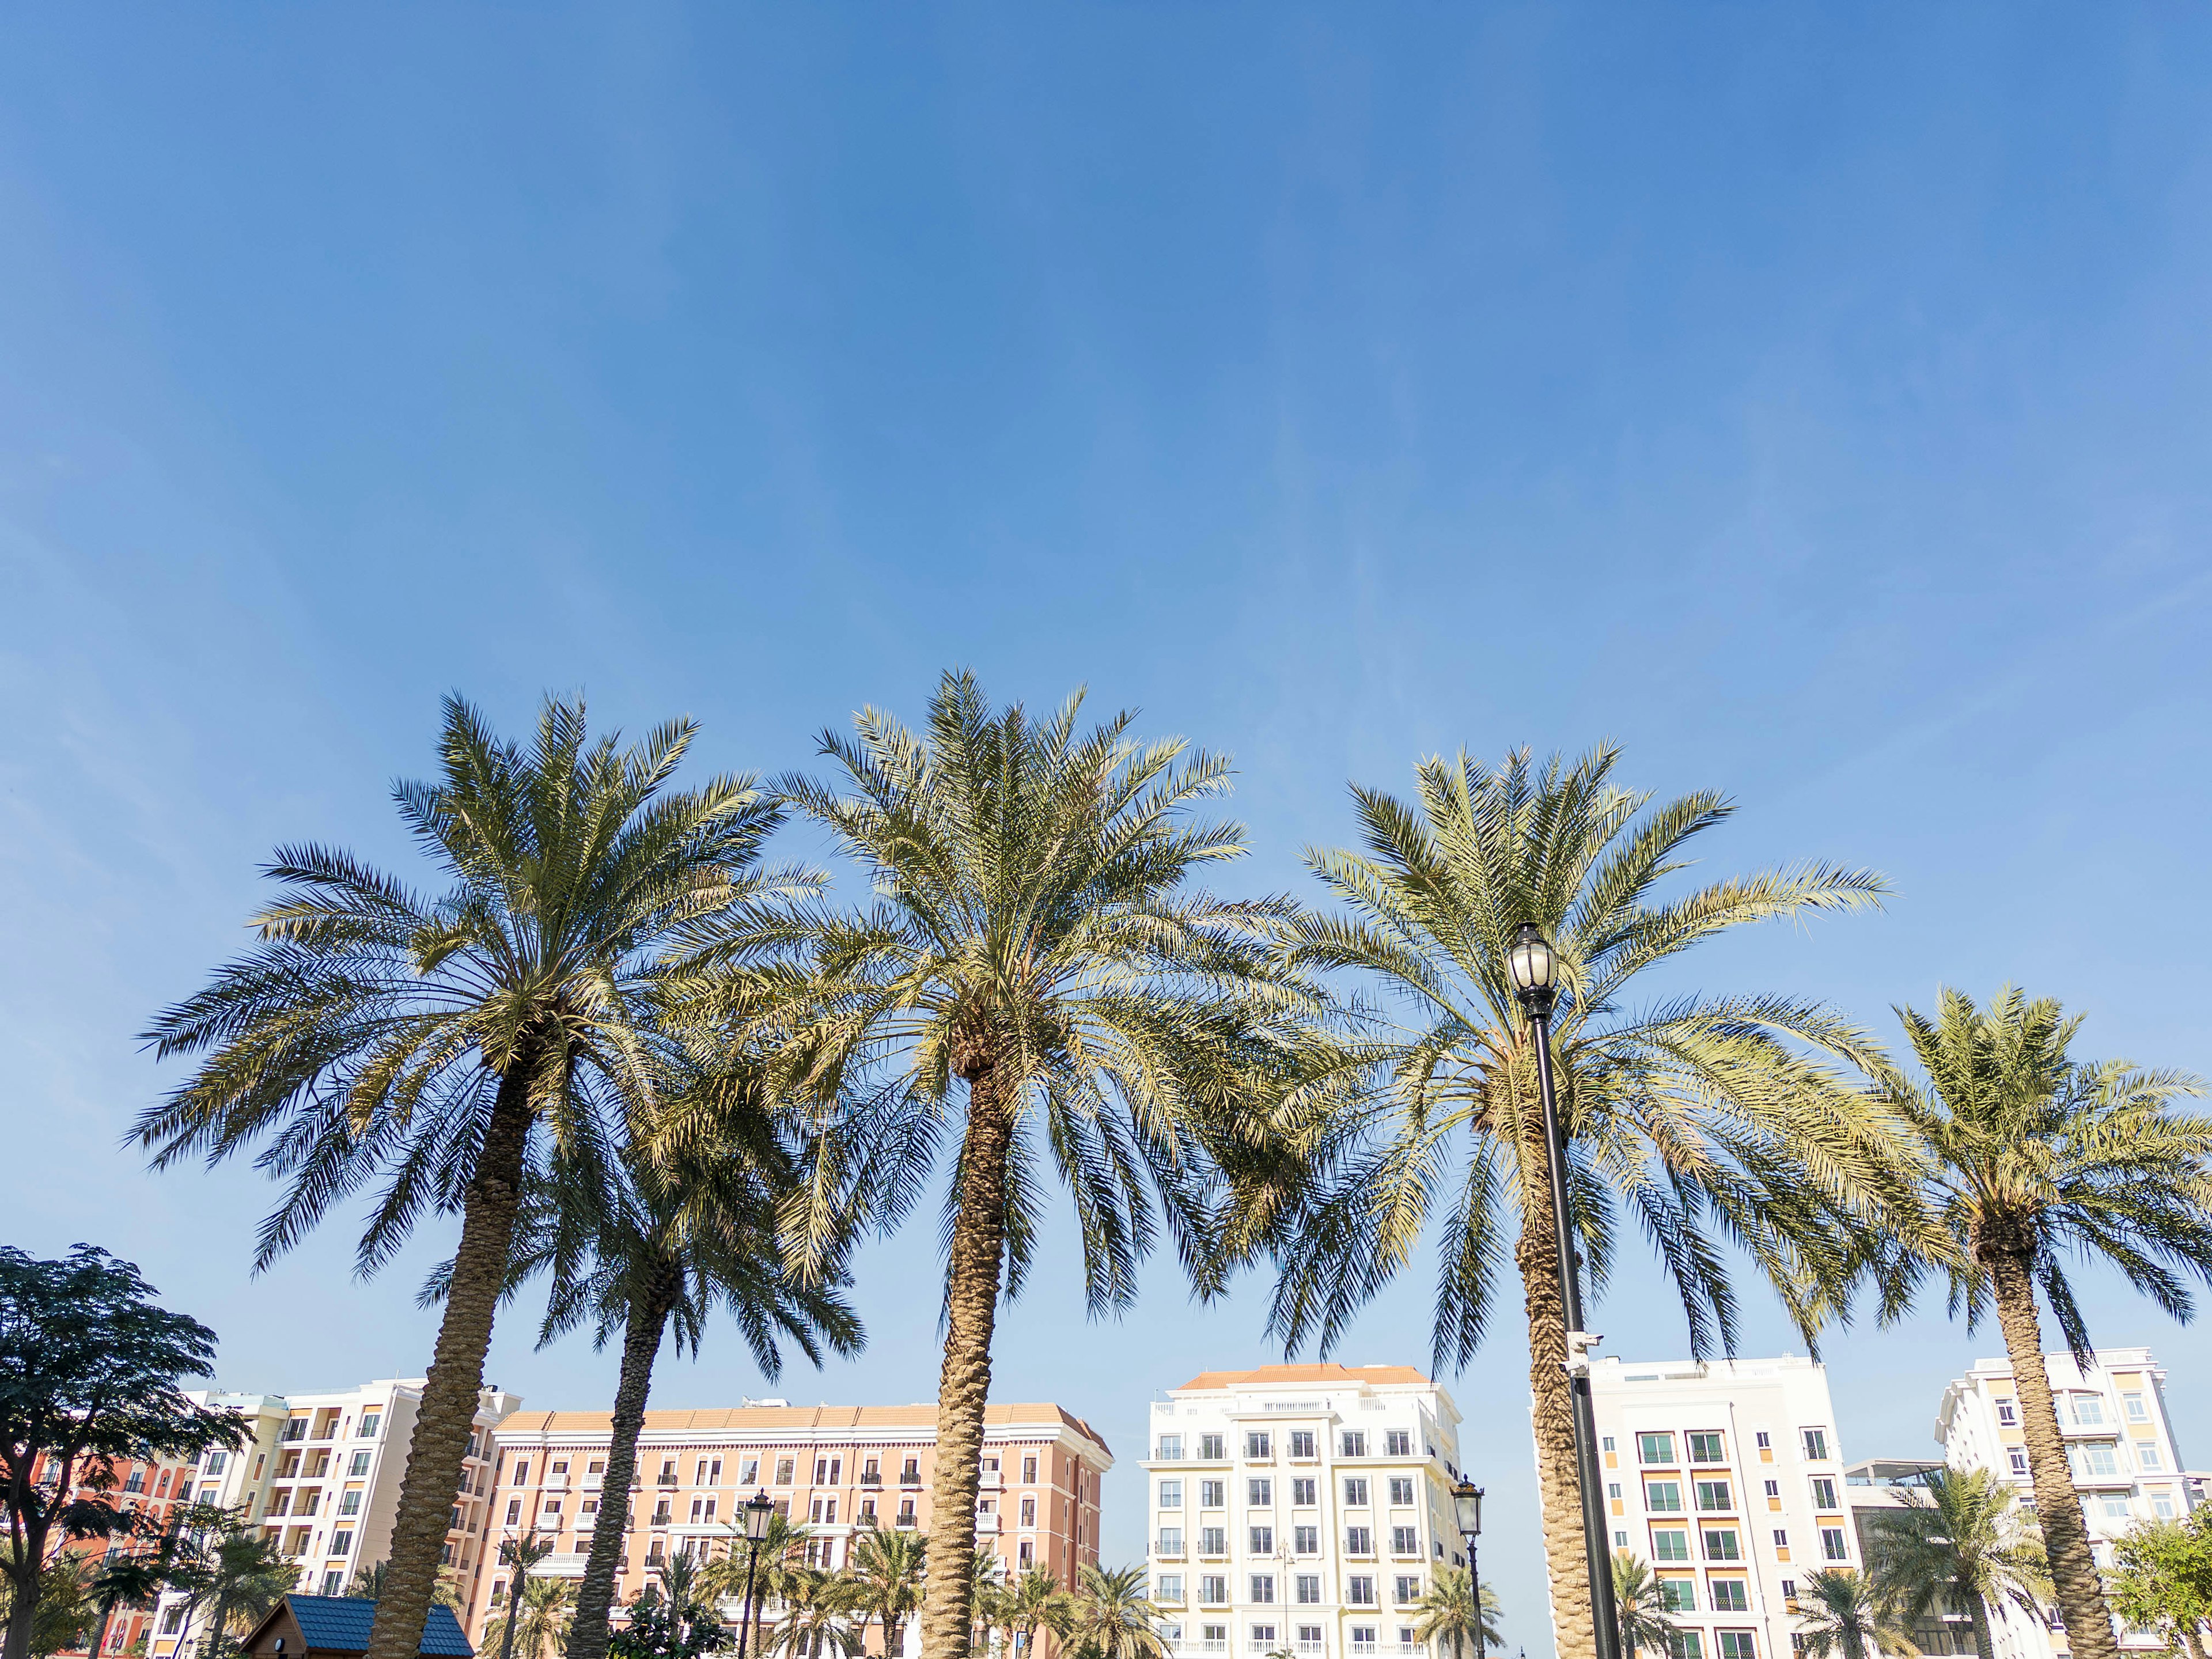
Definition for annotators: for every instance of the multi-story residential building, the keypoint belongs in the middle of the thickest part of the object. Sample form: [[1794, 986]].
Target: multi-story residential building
[[1728, 1477], [150, 1489], [1300, 1507], [834, 1469], [321, 1473], [2120, 1445]]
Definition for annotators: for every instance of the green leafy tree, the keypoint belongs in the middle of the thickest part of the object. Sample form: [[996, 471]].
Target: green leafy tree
[[1641, 1603], [1113, 1617], [89, 1369], [1448, 1612], [1842, 1615], [1040, 991], [1701, 1122], [65, 1609], [124, 1581], [381, 1037], [1959, 1538], [2032, 1157], [2162, 1579], [669, 1620], [888, 1570]]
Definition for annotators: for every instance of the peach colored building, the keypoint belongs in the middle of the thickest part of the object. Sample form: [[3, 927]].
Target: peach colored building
[[834, 1469], [153, 1488]]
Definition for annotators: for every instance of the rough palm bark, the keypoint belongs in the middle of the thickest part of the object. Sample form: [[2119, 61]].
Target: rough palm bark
[[2058, 1506], [978, 1238], [1558, 1482], [455, 1384], [1984, 1644], [587, 1631]]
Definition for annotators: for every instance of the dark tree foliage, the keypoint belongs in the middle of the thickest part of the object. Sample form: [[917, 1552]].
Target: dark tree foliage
[[89, 1374], [660, 1628]]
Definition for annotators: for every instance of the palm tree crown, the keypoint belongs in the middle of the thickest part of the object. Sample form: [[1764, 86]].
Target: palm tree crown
[[1961, 1536], [1841, 1615], [1112, 1617], [1640, 1599], [1448, 1612]]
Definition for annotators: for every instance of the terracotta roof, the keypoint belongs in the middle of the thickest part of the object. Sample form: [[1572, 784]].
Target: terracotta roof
[[786, 1420], [1263, 1375]]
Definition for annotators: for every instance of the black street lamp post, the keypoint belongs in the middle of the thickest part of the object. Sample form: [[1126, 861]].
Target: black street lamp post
[[1466, 1507], [758, 1507], [1535, 970]]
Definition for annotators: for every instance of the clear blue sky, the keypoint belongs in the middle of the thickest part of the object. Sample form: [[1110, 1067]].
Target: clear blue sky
[[1816, 401]]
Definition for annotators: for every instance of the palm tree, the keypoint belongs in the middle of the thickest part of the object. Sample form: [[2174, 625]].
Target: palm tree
[[1641, 1603], [519, 1555], [1035, 943], [682, 1230], [537, 1622], [1702, 1119], [124, 1581], [1112, 1617], [987, 1597], [1038, 1601], [1842, 1615], [887, 1570], [816, 1604], [2031, 1156], [231, 1569], [1448, 1612], [1960, 1538], [726, 1576], [379, 1034]]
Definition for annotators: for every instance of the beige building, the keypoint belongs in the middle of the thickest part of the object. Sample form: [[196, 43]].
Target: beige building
[[1302, 1508], [834, 1469]]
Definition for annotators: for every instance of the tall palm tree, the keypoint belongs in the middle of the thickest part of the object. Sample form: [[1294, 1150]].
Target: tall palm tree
[[649, 1258], [1842, 1615], [536, 1623], [1448, 1612], [887, 1570], [519, 1555], [1113, 1617], [2032, 1156], [124, 1581], [1641, 1603], [1037, 1603], [1959, 1538], [1702, 1119], [1037, 984], [378, 1035]]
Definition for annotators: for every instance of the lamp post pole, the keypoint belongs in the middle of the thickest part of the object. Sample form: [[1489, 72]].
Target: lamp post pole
[[1467, 1505], [1534, 971], [758, 1507]]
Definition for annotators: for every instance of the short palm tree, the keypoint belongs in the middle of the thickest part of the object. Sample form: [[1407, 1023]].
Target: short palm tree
[[1641, 1604], [1448, 1612], [537, 1626], [236, 1574], [2032, 1156], [1112, 1617], [519, 1555], [816, 1614], [1040, 991], [1703, 1120], [378, 1034], [1960, 1538], [1841, 1615], [887, 1570], [124, 1581], [758, 1566], [1035, 1602]]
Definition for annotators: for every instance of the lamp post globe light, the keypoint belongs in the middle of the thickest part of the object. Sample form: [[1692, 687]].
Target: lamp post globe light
[[1534, 968], [1466, 1509], [757, 1511]]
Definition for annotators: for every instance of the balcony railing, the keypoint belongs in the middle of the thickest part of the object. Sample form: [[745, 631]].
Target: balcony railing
[[871, 1478]]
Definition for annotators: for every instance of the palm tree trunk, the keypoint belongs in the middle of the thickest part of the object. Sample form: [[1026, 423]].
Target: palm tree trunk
[[100, 1630], [215, 1625], [1984, 1644], [2058, 1506], [456, 1379], [1574, 1634], [587, 1631], [964, 1386]]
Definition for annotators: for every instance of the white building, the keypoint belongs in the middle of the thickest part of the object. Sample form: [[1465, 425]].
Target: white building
[[320, 1476], [1300, 1507], [1728, 1477], [2119, 1444]]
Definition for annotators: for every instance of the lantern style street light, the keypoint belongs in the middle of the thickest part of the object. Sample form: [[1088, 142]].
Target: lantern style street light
[[1467, 1508], [757, 1511], [1534, 968]]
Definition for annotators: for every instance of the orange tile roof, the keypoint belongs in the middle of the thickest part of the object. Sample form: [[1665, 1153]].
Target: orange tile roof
[[1336, 1374], [785, 1418]]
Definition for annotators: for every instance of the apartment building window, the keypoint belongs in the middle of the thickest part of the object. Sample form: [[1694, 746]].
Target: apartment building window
[[1257, 1445], [1302, 1442], [1214, 1540], [522, 1472], [1655, 1448], [1211, 1448], [1678, 1594], [2147, 1458], [868, 1512], [699, 1503], [1670, 1544], [558, 1467], [1774, 1489], [1305, 1492], [359, 1466], [370, 1423], [446, 1555], [1260, 1491], [1737, 1644], [1685, 1645], [1171, 1541], [666, 1478], [1359, 1590], [2161, 1504], [1706, 1448], [661, 1514], [826, 1511], [1213, 1494], [515, 1512], [1355, 1491], [1263, 1588], [1824, 1493], [1721, 1544], [1262, 1541], [1763, 1440], [1028, 1471], [2115, 1507], [2007, 1413], [1729, 1595], [349, 1504], [1170, 1448], [342, 1540], [1214, 1588], [1029, 1511], [1308, 1589], [1404, 1540], [1354, 1443], [1663, 1496], [1831, 1543], [2089, 1410], [1170, 1494], [748, 1472], [1815, 1441], [1358, 1540], [1408, 1588], [2136, 1407], [1213, 1638], [1263, 1637], [906, 1512], [1713, 1495], [1171, 1586], [1363, 1641], [1401, 1490], [1306, 1540], [830, 1471], [1781, 1538], [1398, 1443], [909, 1472], [550, 1508]]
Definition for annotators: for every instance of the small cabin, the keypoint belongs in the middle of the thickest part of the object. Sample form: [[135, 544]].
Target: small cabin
[[336, 1627]]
